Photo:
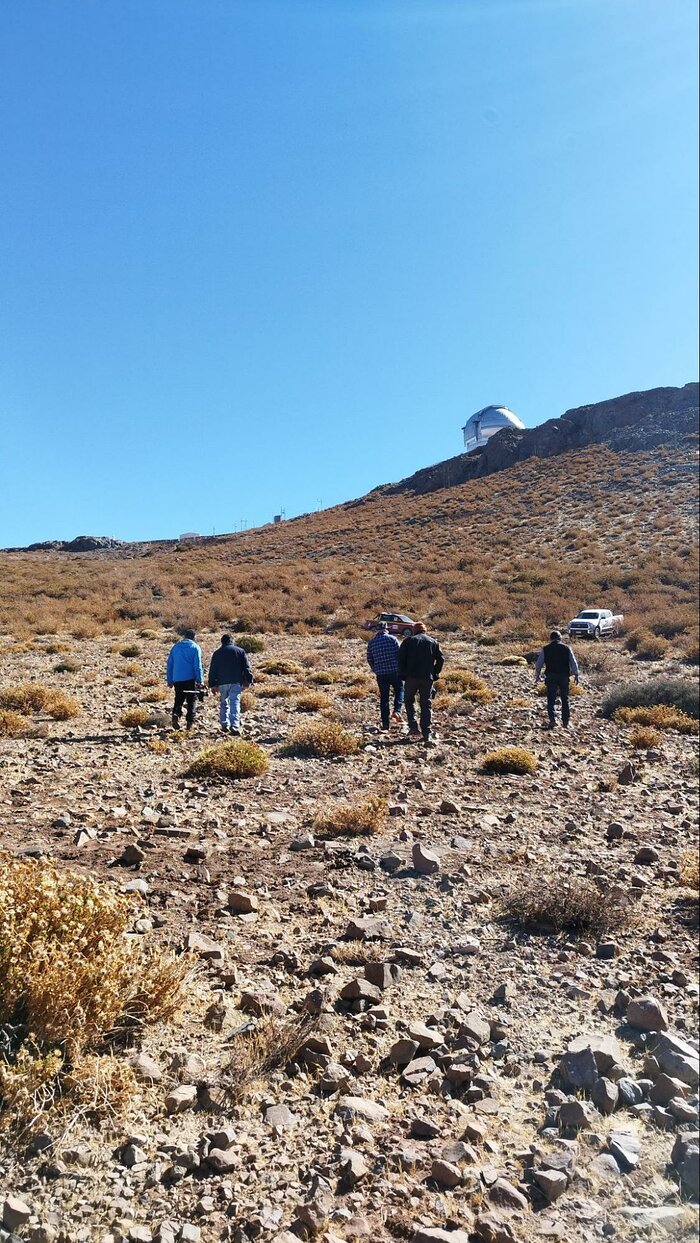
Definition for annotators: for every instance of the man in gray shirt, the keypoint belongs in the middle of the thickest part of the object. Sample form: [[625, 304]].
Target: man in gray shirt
[[559, 665]]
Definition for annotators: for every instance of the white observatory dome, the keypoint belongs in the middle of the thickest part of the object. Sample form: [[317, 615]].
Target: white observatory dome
[[485, 423]]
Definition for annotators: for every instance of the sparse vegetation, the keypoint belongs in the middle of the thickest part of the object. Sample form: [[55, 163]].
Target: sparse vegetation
[[274, 690], [134, 717], [230, 760], [321, 740], [66, 666], [560, 904], [70, 979], [130, 649], [273, 1043], [280, 668], [312, 701], [509, 760], [352, 819], [659, 717], [12, 724], [467, 684], [680, 693], [644, 738]]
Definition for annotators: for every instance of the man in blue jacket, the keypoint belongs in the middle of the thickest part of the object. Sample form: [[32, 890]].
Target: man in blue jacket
[[383, 660], [230, 673], [186, 675]]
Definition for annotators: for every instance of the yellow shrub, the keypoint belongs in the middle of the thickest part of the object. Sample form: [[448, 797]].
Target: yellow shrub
[[134, 716], [12, 724], [659, 716], [312, 701], [466, 683], [368, 816], [644, 738], [231, 760], [321, 740], [510, 760]]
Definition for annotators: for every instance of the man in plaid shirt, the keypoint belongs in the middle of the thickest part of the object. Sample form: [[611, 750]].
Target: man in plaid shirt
[[383, 660]]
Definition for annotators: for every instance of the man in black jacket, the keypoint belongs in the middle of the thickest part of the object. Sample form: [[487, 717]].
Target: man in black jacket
[[230, 673], [420, 662], [559, 664]]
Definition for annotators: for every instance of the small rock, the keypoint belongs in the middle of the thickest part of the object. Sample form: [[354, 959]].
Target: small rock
[[145, 1068], [574, 1115], [363, 928], [222, 1160], [446, 1174], [551, 1183], [606, 1167], [625, 1146], [242, 903], [361, 990], [506, 1195], [280, 1117], [180, 1098], [605, 1095], [434, 1234], [15, 1213], [677, 1058], [353, 1167], [351, 1107]]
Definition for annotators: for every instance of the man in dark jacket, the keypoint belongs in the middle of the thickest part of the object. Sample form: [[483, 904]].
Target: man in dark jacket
[[559, 664], [230, 673], [420, 662]]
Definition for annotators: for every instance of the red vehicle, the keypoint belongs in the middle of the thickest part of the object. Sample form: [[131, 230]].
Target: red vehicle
[[396, 623]]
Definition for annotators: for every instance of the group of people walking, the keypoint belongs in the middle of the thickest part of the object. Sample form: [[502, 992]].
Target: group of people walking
[[405, 672]]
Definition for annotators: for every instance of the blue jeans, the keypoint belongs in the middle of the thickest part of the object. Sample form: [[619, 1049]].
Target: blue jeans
[[386, 683], [230, 705]]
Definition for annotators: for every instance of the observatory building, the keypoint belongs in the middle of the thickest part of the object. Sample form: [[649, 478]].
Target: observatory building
[[485, 423]]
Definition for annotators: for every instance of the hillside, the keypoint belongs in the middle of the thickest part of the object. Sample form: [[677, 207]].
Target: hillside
[[499, 555], [376, 989]]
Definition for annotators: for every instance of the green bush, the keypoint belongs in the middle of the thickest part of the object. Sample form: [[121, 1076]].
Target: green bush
[[678, 693], [321, 740], [230, 760], [250, 643]]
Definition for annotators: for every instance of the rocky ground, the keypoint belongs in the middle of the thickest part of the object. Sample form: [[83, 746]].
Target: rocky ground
[[462, 1076]]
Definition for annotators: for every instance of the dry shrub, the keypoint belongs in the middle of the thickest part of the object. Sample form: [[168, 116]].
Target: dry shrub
[[509, 760], [247, 701], [690, 872], [466, 683], [281, 668], [159, 746], [653, 647], [312, 701], [230, 760], [12, 724], [134, 716], [644, 738], [66, 666], [61, 707], [512, 660], [70, 979], [32, 697], [130, 649], [558, 904], [681, 693], [355, 692], [147, 634], [575, 690], [326, 677], [156, 695], [131, 670], [658, 717], [276, 690], [272, 1044], [321, 740], [363, 818]]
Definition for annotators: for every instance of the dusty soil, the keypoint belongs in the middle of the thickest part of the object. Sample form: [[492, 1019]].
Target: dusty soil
[[90, 787]]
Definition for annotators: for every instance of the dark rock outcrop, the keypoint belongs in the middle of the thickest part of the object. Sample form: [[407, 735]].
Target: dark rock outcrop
[[636, 421]]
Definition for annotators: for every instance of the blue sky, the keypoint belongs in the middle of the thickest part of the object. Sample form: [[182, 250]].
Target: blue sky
[[258, 254]]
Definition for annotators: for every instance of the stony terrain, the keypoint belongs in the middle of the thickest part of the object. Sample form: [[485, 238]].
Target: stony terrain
[[462, 1076]]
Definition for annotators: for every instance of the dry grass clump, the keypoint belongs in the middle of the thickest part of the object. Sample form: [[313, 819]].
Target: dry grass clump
[[690, 872], [130, 649], [280, 668], [32, 697], [12, 724], [644, 738], [230, 760], [312, 701], [148, 634], [134, 716], [155, 695], [509, 760], [326, 677], [247, 701], [276, 690], [159, 746], [358, 953], [321, 740], [70, 979], [355, 691], [657, 717], [681, 693], [131, 670], [558, 904], [363, 818], [272, 1044], [466, 683], [512, 660]]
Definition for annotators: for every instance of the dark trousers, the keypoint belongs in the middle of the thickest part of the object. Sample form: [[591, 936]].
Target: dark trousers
[[185, 693], [423, 688], [388, 682], [558, 689]]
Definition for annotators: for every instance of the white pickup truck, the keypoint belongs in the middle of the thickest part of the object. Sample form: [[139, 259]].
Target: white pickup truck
[[594, 623]]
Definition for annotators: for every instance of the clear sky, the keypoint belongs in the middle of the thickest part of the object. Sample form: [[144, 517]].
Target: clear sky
[[265, 254]]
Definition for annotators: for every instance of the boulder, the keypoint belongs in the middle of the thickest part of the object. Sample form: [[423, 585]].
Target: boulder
[[647, 1015], [425, 861], [677, 1058]]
